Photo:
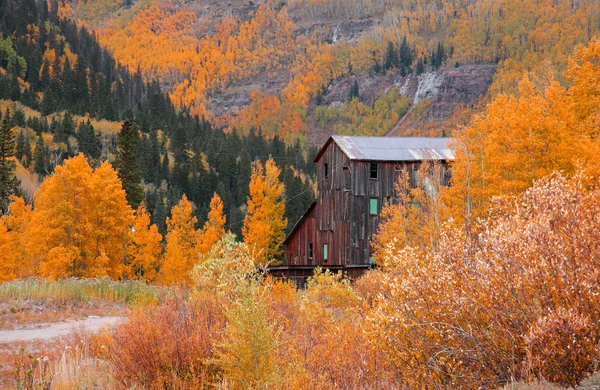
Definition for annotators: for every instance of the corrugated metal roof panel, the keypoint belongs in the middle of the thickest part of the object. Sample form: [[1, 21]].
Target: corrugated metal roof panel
[[394, 148]]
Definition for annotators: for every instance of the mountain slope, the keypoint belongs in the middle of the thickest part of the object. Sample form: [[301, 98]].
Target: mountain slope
[[211, 56]]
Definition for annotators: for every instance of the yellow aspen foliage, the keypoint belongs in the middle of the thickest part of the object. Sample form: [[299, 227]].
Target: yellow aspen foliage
[[16, 223], [113, 219], [85, 215], [415, 220], [264, 226], [61, 261], [523, 137], [182, 237], [584, 74], [144, 250], [62, 217], [213, 229], [8, 268]]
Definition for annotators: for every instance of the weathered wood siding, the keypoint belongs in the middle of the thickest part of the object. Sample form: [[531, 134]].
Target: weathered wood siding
[[341, 216], [296, 251]]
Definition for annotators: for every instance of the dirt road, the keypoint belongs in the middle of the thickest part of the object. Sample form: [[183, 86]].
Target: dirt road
[[55, 330]]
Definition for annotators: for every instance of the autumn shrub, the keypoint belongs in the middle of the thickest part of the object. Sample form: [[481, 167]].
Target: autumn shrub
[[167, 346], [248, 353], [457, 316], [562, 347], [324, 344]]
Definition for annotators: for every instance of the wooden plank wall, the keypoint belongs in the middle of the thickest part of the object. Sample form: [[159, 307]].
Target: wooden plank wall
[[341, 217]]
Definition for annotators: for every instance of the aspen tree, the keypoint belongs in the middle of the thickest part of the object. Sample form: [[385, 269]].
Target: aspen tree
[[264, 226]]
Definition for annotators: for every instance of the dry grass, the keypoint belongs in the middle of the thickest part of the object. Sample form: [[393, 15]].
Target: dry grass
[[29, 181], [38, 300], [65, 291], [29, 112], [78, 369], [102, 126]]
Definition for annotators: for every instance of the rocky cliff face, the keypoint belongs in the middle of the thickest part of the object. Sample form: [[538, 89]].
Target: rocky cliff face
[[445, 89]]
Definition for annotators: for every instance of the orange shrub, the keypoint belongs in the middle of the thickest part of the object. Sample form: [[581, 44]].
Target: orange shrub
[[456, 317], [168, 346], [561, 347]]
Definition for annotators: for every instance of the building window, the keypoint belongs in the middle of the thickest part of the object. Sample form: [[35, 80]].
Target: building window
[[325, 252], [347, 178], [414, 176], [373, 206], [373, 171], [326, 170], [310, 251]]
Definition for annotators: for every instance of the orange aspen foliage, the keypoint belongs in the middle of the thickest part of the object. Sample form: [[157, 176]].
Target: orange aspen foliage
[[523, 137], [264, 226], [80, 223], [416, 219], [16, 223], [8, 267], [114, 218], [144, 252], [182, 237], [213, 229]]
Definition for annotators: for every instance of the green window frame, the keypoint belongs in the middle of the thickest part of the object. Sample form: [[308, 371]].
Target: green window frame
[[373, 206], [325, 252]]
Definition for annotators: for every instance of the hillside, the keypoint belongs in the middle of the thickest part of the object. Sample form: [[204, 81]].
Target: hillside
[[214, 57], [63, 94]]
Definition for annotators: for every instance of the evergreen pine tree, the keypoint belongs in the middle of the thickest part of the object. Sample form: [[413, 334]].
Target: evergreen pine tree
[[159, 214], [154, 158], [48, 102], [68, 83], [165, 170], [89, 143], [40, 158], [80, 93], [15, 89], [68, 126], [27, 153], [353, 90], [390, 56], [20, 146], [127, 164], [440, 56], [4, 87], [405, 54], [9, 184]]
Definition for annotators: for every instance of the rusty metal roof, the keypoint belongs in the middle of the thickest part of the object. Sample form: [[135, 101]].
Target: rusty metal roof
[[393, 148]]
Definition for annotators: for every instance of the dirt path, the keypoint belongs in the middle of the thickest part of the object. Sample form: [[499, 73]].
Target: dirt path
[[51, 331]]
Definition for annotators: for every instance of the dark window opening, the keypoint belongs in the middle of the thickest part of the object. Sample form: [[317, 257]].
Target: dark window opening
[[326, 169], [310, 251], [347, 178], [373, 171], [414, 176], [325, 252]]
